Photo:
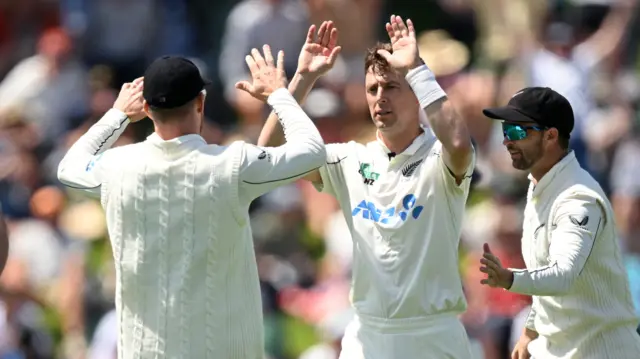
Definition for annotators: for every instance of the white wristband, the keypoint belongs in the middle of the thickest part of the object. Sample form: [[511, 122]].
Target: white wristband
[[424, 85]]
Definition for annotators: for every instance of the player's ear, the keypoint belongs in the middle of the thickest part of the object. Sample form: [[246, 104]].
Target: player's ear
[[200, 102], [551, 135], [146, 108]]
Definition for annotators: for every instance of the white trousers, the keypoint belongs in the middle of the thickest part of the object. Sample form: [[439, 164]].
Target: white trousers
[[438, 337]]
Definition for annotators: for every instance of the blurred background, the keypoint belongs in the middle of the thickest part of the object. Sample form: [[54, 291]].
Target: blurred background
[[63, 61]]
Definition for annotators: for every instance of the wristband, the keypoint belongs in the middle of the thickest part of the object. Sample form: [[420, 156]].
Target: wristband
[[424, 85]]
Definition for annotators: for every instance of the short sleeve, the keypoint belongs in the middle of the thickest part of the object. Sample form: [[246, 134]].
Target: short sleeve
[[333, 173]]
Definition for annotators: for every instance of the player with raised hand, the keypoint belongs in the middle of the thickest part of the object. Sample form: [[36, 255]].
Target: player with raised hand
[[403, 197], [177, 210]]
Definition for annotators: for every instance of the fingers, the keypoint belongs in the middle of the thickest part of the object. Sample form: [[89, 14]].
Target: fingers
[[493, 259], [490, 282], [268, 57], [245, 86], [280, 63], [390, 32], [311, 34], [385, 54], [404, 32], [138, 81], [486, 248], [334, 55], [411, 28], [492, 263], [333, 38], [253, 67], [258, 58], [321, 32], [396, 28], [491, 272], [326, 36]]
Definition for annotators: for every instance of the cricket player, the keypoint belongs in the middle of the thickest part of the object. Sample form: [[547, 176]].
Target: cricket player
[[177, 210], [582, 306], [403, 197]]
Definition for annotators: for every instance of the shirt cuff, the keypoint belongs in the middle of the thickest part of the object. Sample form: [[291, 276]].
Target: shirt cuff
[[115, 116], [280, 94], [522, 282]]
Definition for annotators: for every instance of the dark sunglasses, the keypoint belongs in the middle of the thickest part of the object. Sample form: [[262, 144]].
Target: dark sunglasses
[[514, 132]]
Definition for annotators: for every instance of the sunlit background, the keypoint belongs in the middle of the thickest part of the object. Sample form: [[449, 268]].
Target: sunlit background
[[62, 61]]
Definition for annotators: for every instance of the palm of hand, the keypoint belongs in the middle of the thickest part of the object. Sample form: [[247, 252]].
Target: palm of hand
[[405, 51], [314, 58]]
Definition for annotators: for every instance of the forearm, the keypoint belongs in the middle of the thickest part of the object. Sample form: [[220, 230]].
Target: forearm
[[555, 279], [296, 126], [450, 129], [272, 134], [74, 170]]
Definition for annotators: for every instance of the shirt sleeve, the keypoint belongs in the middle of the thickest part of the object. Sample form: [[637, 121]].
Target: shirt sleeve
[[265, 168], [577, 223], [83, 166], [449, 179], [332, 173], [262, 169]]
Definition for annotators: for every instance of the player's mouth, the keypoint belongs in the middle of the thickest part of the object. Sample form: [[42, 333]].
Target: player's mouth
[[515, 154], [381, 113]]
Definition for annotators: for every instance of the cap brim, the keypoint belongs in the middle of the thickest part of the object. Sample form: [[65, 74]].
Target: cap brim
[[507, 114]]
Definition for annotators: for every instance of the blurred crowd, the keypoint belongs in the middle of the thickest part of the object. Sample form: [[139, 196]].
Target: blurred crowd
[[63, 61]]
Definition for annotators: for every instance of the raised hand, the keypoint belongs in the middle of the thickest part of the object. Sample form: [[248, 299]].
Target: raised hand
[[497, 276], [267, 76], [130, 100], [319, 53], [403, 41]]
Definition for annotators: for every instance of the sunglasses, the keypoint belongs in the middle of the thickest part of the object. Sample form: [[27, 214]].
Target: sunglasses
[[513, 132]]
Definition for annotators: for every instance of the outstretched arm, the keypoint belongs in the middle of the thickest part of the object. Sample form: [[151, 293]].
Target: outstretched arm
[[317, 56], [447, 125], [265, 168]]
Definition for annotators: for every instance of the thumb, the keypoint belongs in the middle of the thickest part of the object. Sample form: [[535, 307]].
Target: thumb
[[334, 55], [486, 248], [245, 86], [385, 54]]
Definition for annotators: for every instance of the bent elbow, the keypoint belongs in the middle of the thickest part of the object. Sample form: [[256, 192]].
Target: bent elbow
[[319, 152], [461, 147]]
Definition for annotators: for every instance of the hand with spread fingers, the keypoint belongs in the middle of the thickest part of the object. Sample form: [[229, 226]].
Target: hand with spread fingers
[[267, 76], [405, 54], [320, 52], [497, 276]]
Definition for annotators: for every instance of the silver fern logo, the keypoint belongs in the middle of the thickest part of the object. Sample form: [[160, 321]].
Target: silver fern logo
[[408, 170]]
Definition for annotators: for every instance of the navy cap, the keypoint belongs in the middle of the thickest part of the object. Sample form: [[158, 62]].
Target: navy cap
[[541, 105], [172, 81]]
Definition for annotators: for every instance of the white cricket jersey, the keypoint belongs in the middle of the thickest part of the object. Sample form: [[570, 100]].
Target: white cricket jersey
[[582, 306], [177, 214], [405, 217]]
